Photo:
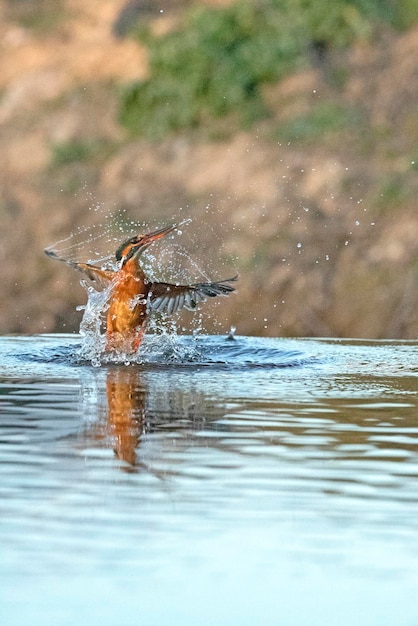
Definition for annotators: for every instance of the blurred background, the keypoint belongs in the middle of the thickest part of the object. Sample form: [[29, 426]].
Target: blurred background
[[287, 129]]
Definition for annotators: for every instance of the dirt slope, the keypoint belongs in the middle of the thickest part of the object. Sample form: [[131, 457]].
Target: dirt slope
[[323, 231]]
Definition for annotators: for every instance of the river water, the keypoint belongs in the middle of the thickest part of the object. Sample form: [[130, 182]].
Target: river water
[[238, 482]]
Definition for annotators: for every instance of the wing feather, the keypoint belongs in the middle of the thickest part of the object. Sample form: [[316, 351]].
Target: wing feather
[[168, 298], [100, 278]]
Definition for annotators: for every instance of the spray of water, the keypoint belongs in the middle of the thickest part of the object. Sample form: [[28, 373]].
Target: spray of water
[[168, 261], [93, 345], [96, 244]]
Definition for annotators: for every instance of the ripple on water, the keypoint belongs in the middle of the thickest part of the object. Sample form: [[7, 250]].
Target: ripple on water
[[303, 452]]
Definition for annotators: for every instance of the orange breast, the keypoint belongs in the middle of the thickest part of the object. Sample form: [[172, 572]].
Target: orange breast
[[127, 308]]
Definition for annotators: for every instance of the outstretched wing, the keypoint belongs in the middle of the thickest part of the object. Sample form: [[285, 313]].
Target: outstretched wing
[[100, 278], [167, 298]]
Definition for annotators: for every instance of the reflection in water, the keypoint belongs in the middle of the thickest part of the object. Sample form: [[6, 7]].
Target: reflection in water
[[136, 404], [126, 413], [116, 413], [290, 474]]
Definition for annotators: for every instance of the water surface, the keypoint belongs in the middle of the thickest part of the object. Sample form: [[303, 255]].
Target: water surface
[[254, 481]]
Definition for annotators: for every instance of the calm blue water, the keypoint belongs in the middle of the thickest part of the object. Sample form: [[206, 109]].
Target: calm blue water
[[247, 482]]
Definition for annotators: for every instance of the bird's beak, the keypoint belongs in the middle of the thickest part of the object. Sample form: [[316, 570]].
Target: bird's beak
[[147, 240], [135, 247]]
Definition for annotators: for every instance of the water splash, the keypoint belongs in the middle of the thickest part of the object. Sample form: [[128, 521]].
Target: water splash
[[95, 243], [164, 262], [163, 344], [91, 328]]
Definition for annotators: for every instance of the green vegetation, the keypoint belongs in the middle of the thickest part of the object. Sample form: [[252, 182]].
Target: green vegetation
[[79, 150], [42, 15], [216, 64], [325, 118], [394, 189]]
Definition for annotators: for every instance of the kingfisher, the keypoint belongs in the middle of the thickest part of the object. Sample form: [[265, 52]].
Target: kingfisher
[[133, 296]]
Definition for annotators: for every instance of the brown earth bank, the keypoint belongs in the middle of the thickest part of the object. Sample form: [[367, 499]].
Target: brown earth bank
[[321, 225]]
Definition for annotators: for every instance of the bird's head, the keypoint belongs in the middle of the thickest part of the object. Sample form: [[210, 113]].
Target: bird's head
[[135, 246]]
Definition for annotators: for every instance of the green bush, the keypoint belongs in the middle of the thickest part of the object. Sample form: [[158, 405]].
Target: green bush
[[216, 64], [325, 118], [211, 68], [78, 150], [400, 14]]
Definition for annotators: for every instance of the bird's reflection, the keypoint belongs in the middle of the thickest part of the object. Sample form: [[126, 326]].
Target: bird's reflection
[[114, 405], [124, 403], [126, 406]]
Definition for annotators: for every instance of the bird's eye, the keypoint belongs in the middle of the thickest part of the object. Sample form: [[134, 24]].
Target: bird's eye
[[124, 248]]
